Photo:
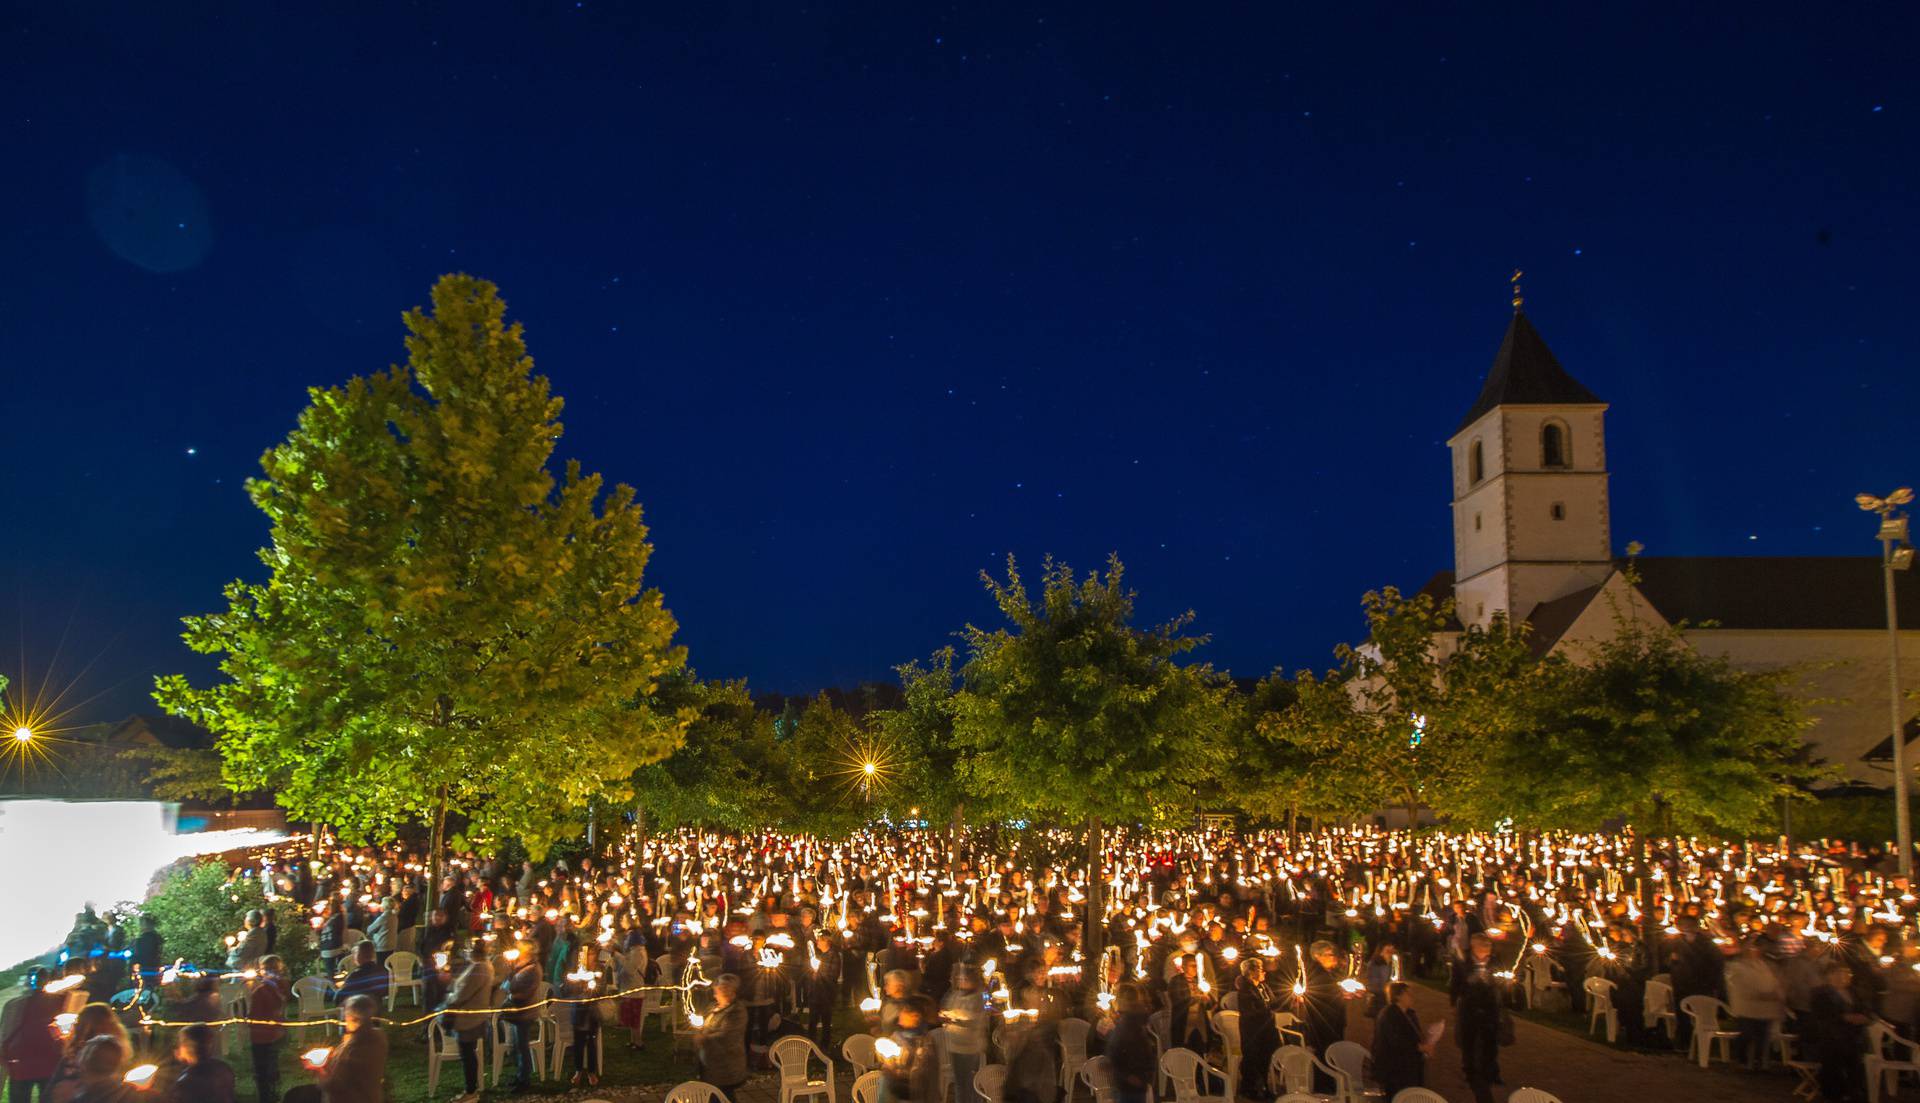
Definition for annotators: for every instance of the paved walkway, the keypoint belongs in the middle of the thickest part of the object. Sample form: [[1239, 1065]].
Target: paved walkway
[[1581, 1071]]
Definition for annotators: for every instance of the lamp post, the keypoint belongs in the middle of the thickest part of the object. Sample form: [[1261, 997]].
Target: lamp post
[[1896, 554]]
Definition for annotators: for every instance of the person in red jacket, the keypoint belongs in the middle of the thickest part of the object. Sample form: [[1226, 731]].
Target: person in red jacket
[[29, 1045], [267, 1007]]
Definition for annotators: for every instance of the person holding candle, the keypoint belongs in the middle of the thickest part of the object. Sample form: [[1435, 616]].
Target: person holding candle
[[355, 1070], [90, 1022], [471, 992], [909, 1064], [1400, 1046], [964, 1017], [1259, 1036], [1477, 995], [589, 981], [97, 1072], [523, 1008], [29, 1045], [720, 1038], [822, 987], [266, 1007], [204, 1077]]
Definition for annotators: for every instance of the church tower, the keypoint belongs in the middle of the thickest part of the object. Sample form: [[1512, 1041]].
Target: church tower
[[1530, 519]]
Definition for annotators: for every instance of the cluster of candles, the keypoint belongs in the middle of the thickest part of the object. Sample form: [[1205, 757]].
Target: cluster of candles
[[915, 883]]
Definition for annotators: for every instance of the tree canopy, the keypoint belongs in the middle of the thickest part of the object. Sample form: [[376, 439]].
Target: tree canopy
[[443, 626]]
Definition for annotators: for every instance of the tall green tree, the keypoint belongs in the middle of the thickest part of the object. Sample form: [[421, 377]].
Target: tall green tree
[[443, 626], [728, 772], [1072, 711]]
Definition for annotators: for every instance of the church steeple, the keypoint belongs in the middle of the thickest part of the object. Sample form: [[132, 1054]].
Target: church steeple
[[1530, 511], [1525, 373]]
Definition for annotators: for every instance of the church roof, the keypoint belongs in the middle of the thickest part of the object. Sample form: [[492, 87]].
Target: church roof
[[1550, 620], [1525, 373], [1776, 592]]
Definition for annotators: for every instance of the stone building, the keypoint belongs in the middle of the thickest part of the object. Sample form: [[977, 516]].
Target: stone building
[[1533, 539]]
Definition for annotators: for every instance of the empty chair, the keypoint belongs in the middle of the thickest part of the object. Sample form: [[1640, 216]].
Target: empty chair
[[1073, 1052], [1600, 1007], [310, 999], [1532, 1095], [1350, 1058], [1704, 1012], [1227, 1025], [403, 972], [1292, 1069], [696, 1091], [858, 1050], [866, 1087], [990, 1083], [1888, 1055], [791, 1056], [1289, 1024], [1657, 1005], [1417, 1095], [1185, 1068], [1096, 1073], [1537, 977]]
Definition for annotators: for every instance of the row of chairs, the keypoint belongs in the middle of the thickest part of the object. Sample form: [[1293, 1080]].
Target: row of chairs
[[1888, 1054], [1291, 1073], [552, 1038]]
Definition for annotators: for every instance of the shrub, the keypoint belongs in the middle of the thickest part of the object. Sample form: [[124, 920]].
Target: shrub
[[199, 905]]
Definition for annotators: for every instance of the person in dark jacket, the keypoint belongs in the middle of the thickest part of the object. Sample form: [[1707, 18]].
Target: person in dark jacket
[[1476, 999], [822, 990], [1400, 1046], [1323, 1007], [204, 1077], [523, 1012], [1259, 1037], [1833, 1032], [1130, 1050], [267, 1006], [367, 977]]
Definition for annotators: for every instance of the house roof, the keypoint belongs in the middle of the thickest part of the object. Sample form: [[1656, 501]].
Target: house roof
[[1525, 373], [1440, 589], [1776, 592], [143, 727], [1550, 620]]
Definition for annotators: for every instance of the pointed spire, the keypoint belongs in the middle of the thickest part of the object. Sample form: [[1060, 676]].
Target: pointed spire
[[1525, 373]]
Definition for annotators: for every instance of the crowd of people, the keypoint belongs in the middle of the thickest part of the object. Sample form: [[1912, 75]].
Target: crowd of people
[[962, 950]]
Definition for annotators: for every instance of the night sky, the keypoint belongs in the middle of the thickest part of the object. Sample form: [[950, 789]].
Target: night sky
[[863, 299]]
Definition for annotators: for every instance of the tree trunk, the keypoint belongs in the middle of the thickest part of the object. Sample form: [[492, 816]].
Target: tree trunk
[[433, 864], [954, 826], [1096, 903]]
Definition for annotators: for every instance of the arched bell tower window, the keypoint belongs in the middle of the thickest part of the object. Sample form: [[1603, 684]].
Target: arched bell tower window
[[1554, 449], [1476, 464]]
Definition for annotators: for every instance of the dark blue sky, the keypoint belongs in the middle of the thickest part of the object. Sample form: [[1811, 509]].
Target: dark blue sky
[[861, 299]]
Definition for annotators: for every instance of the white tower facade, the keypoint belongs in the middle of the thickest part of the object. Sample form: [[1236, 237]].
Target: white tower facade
[[1530, 515]]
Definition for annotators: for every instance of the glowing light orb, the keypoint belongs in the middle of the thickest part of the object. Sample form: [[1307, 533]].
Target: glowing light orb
[[23, 734]]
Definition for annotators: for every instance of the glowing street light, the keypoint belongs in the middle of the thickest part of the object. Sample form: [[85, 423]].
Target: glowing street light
[[1896, 554], [23, 734]]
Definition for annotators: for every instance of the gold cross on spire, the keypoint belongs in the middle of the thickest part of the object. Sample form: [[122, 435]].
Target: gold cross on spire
[[1517, 297]]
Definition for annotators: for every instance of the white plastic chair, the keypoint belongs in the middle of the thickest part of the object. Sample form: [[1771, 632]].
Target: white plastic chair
[[1159, 1025], [310, 999], [348, 941], [866, 1087], [1289, 1026], [1538, 982], [1096, 1073], [1184, 1067], [695, 1091], [443, 1046], [563, 1041], [1227, 1025], [1293, 1068], [1417, 1095], [1705, 1012], [858, 1050], [790, 1056], [403, 972], [1883, 1040], [536, 1046], [1534, 1095], [1072, 1034], [1350, 1058], [990, 1083], [1600, 1007], [1657, 1005]]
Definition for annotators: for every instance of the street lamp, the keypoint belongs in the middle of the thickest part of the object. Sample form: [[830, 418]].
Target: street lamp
[[1896, 554], [23, 734]]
